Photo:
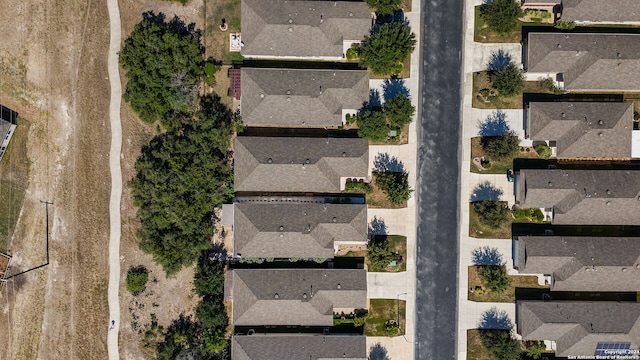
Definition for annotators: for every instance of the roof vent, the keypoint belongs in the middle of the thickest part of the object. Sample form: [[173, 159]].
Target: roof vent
[[600, 122], [290, 29], [270, 160], [288, 92], [334, 219], [304, 213], [564, 115], [288, 98], [309, 227], [344, 154], [624, 269], [619, 55], [290, 21], [262, 96], [608, 192], [276, 296], [307, 161], [600, 134], [350, 14], [281, 227], [608, 202], [304, 295], [339, 286], [559, 46], [550, 184]]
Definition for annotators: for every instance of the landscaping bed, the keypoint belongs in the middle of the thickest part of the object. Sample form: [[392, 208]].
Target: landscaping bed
[[509, 295], [381, 311], [499, 166], [481, 84]]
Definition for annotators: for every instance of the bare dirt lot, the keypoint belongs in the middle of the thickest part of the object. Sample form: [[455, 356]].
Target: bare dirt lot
[[53, 72]]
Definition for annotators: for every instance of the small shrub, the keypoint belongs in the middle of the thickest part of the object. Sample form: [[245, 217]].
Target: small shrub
[[509, 81], [565, 25], [137, 278], [500, 147], [353, 53], [358, 187], [395, 185], [534, 349], [537, 215], [492, 213], [543, 151], [210, 70], [359, 321], [636, 115]]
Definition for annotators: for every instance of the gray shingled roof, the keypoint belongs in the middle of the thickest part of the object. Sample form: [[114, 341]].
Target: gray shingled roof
[[296, 230], [7, 118], [582, 197], [301, 97], [303, 347], [295, 296], [550, 2], [295, 28], [588, 61], [582, 263], [584, 129], [577, 327], [292, 164], [598, 11]]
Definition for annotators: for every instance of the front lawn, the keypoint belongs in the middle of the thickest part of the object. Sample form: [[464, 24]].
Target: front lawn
[[482, 33], [481, 83], [398, 246], [475, 349], [378, 199], [479, 230], [509, 295], [500, 166], [381, 311]]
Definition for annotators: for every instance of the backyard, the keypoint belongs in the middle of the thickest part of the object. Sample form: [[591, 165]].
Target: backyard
[[381, 311], [216, 41], [509, 295], [500, 166], [481, 84]]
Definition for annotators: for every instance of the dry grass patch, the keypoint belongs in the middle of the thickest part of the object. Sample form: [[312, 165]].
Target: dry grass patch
[[479, 230], [482, 33], [500, 166], [216, 41], [475, 349], [377, 199], [382, 310], [509, 295], [481, 81]]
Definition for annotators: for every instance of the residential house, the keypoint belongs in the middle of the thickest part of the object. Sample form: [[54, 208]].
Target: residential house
[[303, 29], [8, 123], [581, 197], [296, 229], [303, 347], [601, 12], [586, 328], [297, 164], [581, 263], [553, 7], [582, 129], [301, 97], [306, 297], [584, 61]]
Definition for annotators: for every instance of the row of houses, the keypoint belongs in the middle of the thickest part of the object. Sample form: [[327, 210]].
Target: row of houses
[[288, 182], [584, 195]]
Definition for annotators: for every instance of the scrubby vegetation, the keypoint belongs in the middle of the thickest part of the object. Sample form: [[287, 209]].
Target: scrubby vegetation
[[395, 185], [502, 146], [137, 278], [492, 213], [501, 15], [495, 278]]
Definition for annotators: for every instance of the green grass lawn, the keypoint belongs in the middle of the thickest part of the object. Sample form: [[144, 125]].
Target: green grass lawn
[[500, 166], [481, 81], [381, 310], [509, 295], [479, 230], [475, 348], [378, 199], [482, 33], [216, 41], [399, 246], [14, 176]]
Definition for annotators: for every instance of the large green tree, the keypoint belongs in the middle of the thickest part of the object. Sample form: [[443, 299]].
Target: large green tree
[[501, 344], [379, 253], [181, 176], [495, 278], [509, 80], [399, 111], [384, 7], [395, 185], [501, 15], [387, 48], [372, 125], [164, 63], [492, 213], [501, 146]]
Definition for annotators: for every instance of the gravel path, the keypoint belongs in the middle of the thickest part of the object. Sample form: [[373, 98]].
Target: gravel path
[[116, 180]]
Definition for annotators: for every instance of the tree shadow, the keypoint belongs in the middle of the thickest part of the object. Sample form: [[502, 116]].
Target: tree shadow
[[486, 256], [378, 352], [498, 60], [374, 100], [385, 162], [486, 191], [393, 87], [495, 319], [494, 125], [176, 23], [377, 227]]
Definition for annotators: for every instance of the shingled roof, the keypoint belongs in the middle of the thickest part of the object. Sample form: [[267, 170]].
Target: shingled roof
[[296, 230], [295, 164], [295, 296], [303, 347], [301, 97], [598, 11], [578, 327], [582, 197], [583, 129], [582, 263], [297, 28], [587, 61]]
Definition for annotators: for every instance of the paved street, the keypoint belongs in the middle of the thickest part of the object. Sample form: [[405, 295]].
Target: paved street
[[438, 179]]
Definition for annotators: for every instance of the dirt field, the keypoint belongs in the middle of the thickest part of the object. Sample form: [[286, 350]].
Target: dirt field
[[53, 72]]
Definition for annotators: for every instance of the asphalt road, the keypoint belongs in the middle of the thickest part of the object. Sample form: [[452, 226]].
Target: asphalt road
[[439, 179]]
